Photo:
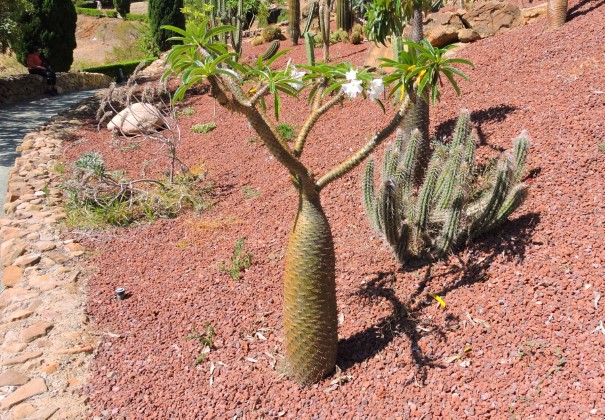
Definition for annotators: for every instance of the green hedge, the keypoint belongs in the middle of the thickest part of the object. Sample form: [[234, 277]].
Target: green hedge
[[134, 16], [113, 69], [95, 12]]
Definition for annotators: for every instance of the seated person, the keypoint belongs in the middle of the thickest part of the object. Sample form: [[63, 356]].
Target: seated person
[[36, 65]]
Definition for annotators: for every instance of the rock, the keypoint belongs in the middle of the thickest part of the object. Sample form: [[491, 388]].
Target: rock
[[531, 14], [468, 35], [45, 246], [22, 358], [13, 346], [50, 368], [442, 28], [10, 250], [44, 413], [21, 411], [76, 350], [19, 314], [11, 377], [39, 329], [34, 387], [138, 118], [27, 260], [491, 18], [11, 276]]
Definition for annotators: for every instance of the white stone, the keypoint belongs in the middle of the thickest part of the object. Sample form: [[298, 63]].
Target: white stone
[[138, 118]]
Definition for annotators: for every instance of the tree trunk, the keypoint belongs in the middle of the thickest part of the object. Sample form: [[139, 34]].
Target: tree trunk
[[294, 25], [556, 13], [419, 115], [310, 318]]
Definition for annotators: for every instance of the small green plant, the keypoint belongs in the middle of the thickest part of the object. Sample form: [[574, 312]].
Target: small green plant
[[601, 147], [187, 112], [97, 197], [239, 262], [59, 167], [250, 192], [203, 128], [206, 340], [286, 130]]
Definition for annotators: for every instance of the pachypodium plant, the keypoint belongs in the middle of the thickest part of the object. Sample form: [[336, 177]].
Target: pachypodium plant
[[451, 205], [310, 317]]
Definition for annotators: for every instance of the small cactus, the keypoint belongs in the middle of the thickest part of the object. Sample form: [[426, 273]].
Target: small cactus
[[429, 222], [273, 47], [257, 41], [271, 33], [356, 38], [309, 45]]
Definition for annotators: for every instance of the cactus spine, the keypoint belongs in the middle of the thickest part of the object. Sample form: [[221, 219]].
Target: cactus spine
[[430, 222], [271, 50], [310, 48], [344, 15]]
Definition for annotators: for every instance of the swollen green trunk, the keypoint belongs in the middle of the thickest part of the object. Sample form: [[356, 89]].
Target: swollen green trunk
[[310, 319]]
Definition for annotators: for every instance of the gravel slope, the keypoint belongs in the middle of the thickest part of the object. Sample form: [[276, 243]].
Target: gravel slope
[[523, 302]]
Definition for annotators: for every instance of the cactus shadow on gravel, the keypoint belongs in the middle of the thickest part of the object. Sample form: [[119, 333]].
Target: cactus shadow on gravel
[[479, 117], [512, 241], [574, 11]]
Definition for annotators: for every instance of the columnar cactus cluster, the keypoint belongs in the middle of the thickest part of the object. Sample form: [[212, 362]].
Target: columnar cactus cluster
[[451, 205]]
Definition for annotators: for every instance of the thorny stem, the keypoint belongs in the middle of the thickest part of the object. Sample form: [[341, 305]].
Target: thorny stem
[[312, 120], [362, 153]]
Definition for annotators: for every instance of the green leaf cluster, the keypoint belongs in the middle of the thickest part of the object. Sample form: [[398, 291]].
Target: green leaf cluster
[[424, 67]]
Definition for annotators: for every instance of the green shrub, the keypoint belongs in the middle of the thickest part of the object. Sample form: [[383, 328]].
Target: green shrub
[[113, 69], [97, 13], [122, 7], [50, 24], [137, 17], [165, 12]]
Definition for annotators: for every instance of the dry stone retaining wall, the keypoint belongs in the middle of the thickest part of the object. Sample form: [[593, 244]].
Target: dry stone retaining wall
[[25, 86], [46, 346]]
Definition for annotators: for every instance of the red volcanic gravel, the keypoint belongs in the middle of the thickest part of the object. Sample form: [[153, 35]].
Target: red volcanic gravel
[[518, 338]]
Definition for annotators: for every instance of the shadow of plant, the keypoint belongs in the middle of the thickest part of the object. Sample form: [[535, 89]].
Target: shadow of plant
[[403, 320], [574, 12], [478, 118]]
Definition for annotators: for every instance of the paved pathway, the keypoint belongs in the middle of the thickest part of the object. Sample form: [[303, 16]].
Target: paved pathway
[[16, 120]]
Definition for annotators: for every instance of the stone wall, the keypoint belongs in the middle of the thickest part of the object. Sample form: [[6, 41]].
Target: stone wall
[[26, 86], [45, 342]]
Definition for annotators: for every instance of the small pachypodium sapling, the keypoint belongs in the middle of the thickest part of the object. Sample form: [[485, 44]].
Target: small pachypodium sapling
[[310, 317], [448, 207]]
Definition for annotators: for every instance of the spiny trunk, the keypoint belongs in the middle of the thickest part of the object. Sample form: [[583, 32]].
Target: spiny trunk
[[556, 13], [419, 116], [310, 318]]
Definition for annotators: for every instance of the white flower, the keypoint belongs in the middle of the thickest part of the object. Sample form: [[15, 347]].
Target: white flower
[[376, 89], [352, 88], [297, 75], [351, 75]]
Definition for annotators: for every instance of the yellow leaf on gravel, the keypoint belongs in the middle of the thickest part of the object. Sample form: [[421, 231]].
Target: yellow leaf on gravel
[[438, 299]]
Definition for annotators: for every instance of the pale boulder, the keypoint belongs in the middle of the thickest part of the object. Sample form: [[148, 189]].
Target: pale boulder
[[139, 118]]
